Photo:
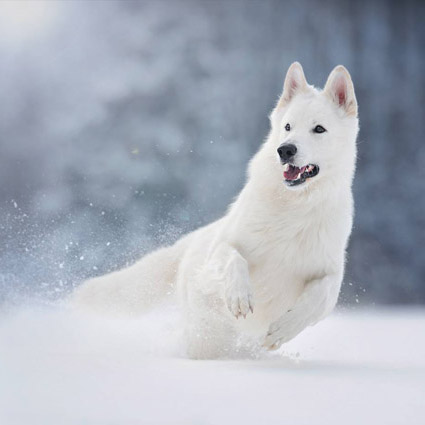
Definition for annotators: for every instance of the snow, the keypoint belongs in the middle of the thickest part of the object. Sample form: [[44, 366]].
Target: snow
[[356, 367]]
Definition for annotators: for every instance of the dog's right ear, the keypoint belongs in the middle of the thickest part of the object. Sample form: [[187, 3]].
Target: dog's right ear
[[294, 82]]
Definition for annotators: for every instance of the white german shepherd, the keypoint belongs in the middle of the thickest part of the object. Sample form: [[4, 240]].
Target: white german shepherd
[[276, 258]]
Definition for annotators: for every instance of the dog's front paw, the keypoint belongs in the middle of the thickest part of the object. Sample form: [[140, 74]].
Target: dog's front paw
[[239, 301], [283, 330]]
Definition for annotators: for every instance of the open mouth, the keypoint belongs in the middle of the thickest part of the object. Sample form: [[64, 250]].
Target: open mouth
[[295, 176]]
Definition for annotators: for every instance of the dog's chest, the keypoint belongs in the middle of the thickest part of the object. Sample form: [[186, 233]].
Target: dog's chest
[[299, 246], [286, 254]]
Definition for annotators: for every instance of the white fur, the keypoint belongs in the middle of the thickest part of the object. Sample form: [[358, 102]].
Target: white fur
[[279, 251]]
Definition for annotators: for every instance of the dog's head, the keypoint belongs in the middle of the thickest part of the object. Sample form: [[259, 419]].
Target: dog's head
[[314, 131]]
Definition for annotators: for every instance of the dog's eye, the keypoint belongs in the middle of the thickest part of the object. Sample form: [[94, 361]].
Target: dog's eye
[[287, 127], [319, 129]]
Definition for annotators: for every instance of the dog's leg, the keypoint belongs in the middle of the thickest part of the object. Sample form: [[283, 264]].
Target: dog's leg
[[235, 276], [316, 302], [221, 286]]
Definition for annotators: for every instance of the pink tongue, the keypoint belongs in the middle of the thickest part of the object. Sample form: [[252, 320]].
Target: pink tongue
[[293, 172]]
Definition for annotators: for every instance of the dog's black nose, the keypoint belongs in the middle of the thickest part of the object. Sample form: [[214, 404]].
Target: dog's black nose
[[286, 151]]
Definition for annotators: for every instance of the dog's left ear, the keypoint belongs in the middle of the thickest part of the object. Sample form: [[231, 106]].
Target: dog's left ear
[[340, 90]]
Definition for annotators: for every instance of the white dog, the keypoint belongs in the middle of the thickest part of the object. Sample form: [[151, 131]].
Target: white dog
[[276, 258]]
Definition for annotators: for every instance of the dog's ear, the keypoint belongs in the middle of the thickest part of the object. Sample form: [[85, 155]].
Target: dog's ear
[[294, 82], [340, 90]]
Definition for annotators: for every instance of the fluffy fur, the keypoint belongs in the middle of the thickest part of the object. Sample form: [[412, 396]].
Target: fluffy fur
[[275, 261]]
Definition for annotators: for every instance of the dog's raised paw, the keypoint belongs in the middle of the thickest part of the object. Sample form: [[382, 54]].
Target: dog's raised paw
[[239, 303]]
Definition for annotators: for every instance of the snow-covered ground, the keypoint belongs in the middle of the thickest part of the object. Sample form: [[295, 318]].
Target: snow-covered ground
[[359, 367]]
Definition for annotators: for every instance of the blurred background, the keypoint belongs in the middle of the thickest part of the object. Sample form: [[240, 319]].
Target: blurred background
[[124, 124]]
